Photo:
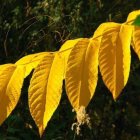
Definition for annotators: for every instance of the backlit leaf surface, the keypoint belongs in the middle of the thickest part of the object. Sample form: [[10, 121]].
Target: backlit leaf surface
[[81, 73], [114, 57], [45, 90], [136, 32], [65, 51], [11, 80], [30, 61]]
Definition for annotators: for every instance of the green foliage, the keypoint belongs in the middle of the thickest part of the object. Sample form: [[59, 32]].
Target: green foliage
[[137, 21], [35, 26]]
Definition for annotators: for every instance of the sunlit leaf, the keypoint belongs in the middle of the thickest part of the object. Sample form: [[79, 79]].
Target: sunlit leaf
[[65, 51], [45, 90], [81, 73], [132, 17], [30, 61], [114, 57], [136, 31], [11, 80]]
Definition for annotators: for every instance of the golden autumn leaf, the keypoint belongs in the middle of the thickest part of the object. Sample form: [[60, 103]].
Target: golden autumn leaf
[[136, 32], [136, 40], [77, 62], [132, 16], [11, 80], [99, 31], [45, 90], [65, 51], [30, 61], [114, 56], [82, 73]]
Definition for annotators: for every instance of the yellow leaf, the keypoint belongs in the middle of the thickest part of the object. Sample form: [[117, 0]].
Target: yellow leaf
[[45, 90], [81, 73], [30, 61], [132, 16], [99, 31], [6, 72], [136, 40], [65, 51], [114, 57], [11, 80], [136, 32]]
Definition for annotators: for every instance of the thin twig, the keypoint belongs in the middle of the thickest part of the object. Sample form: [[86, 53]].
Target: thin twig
[[5, 42], [91, 38], [35, 17]]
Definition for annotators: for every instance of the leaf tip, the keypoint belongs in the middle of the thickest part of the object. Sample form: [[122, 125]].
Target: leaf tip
[[41, 130], [115, 97]]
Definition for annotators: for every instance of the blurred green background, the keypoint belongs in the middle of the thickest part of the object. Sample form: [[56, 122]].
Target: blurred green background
[[31, 26]]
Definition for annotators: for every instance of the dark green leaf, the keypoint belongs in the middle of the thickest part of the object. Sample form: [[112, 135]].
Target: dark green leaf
[[137, 21]]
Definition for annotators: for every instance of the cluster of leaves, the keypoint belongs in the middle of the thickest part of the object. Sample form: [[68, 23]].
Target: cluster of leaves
[[28, 26], [77, 63]]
